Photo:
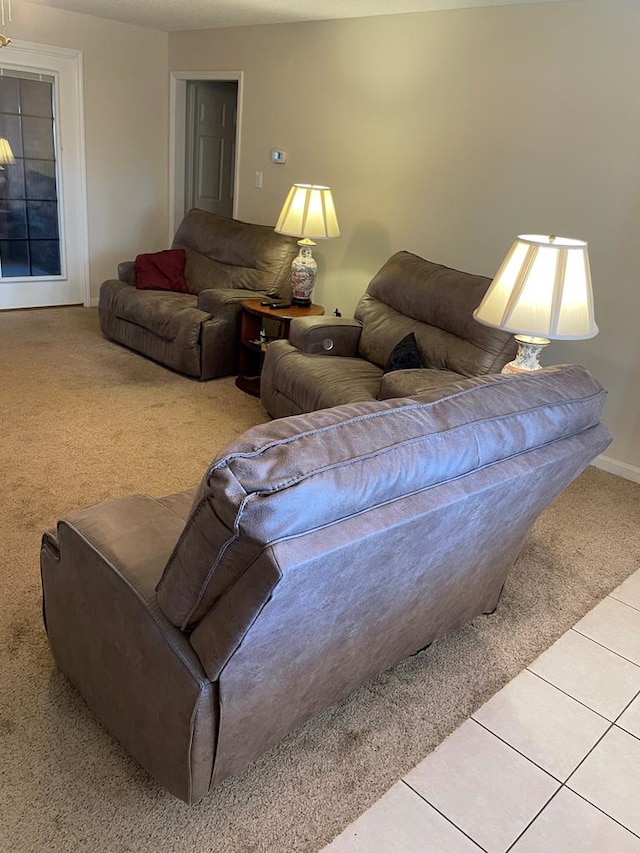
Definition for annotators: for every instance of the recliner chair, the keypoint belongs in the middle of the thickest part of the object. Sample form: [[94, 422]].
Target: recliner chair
[[197, 333], [328, 361], [317, 551]]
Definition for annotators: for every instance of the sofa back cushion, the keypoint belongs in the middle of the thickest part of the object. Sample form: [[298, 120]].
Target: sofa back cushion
[[300, 474], [226, 253], [436, 303]]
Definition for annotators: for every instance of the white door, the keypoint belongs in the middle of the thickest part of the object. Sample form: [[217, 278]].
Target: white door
[[212, 108], [43, 216]]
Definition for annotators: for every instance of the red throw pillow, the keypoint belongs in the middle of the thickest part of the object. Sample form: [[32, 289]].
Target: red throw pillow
[[162, 271]]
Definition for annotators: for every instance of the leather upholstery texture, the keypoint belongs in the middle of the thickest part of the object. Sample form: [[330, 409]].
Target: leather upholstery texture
[[197, 333], [229, 254], [408, 295], [317, 551]]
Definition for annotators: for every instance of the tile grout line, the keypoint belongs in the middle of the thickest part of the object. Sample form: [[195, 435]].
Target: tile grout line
[[612, 724], [602, 811], [534, 818], [442, 814], [517, 751], [565, 783], [580, 702], [596, 642], [561, 784], [620, 601], [602, 646]]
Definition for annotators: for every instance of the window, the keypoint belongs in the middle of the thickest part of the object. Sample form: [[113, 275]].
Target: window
[[29, 215]]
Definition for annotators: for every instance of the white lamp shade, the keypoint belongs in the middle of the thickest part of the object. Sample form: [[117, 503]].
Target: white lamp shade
[[308, 211], [6, 154], [542, 289]]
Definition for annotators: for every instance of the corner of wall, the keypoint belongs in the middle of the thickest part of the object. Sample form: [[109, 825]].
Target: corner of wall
[[614, 466]]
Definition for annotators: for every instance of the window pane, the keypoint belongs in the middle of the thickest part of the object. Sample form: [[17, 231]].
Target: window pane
[[12, 181], [37, 138], [45, 257], [14, 257], [13, 184], [11, 129], [8, 95], [42, 217], [13, 221], [35, 98], [40, 177]]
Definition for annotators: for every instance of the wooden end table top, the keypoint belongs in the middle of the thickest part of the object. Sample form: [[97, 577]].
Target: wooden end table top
[[253, 306]]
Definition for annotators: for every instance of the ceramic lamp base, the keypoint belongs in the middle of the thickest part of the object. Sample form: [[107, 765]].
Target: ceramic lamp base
[[527, 358], [303, 273]]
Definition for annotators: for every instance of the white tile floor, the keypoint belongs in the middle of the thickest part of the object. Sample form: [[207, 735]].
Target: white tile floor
[[550, 764]]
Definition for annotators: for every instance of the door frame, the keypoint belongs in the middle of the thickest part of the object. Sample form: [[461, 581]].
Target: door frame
[[66, 66], [177, 138]]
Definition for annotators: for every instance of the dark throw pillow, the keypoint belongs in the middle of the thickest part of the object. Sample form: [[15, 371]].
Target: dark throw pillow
[[162, 271], [405, 355]]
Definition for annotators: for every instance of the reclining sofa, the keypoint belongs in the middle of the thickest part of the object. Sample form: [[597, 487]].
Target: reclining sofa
[[317, 551], [197, 332], [328, 361]]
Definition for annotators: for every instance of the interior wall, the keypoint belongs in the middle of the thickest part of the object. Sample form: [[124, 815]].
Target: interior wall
[[447, 134], [126, 121]]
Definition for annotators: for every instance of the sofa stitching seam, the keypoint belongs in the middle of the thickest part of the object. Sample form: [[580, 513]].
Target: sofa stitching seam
[[371, 415]]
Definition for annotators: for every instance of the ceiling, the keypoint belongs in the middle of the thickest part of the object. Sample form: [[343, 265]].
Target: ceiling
[[173, 15]]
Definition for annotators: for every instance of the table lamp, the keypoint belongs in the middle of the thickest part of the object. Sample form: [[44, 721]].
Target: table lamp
[[542, 292], [308, 212], [6, 154]]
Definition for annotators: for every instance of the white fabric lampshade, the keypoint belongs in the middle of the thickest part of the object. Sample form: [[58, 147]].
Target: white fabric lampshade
[[6, 154], [308, 211], [542, 289]]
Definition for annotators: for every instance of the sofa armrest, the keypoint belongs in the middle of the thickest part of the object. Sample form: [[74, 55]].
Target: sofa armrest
[[326, 335], [127, 272], [108, 634], [225, 301]]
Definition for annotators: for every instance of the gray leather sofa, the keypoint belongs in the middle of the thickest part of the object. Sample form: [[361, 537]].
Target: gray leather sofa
[[197, 333], [316, 552], [328, 361]]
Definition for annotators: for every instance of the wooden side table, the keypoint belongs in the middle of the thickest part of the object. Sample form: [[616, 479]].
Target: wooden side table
[[252, 349]]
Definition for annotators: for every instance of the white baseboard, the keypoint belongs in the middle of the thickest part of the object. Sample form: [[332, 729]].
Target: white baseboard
[[91, 303], [613, 466]]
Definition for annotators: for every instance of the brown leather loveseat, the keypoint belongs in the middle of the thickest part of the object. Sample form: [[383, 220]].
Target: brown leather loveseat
[[328, 361], [317, 551], [196, 332]]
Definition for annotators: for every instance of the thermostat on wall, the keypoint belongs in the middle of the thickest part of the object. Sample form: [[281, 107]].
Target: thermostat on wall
[[278, 156]]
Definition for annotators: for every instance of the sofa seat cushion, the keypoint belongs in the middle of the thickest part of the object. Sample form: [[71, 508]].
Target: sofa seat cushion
[[167, 314], [408, 383], [305, 473], [321, 381]]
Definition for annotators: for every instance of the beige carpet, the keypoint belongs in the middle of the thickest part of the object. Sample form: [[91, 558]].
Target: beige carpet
[[83, 420]]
